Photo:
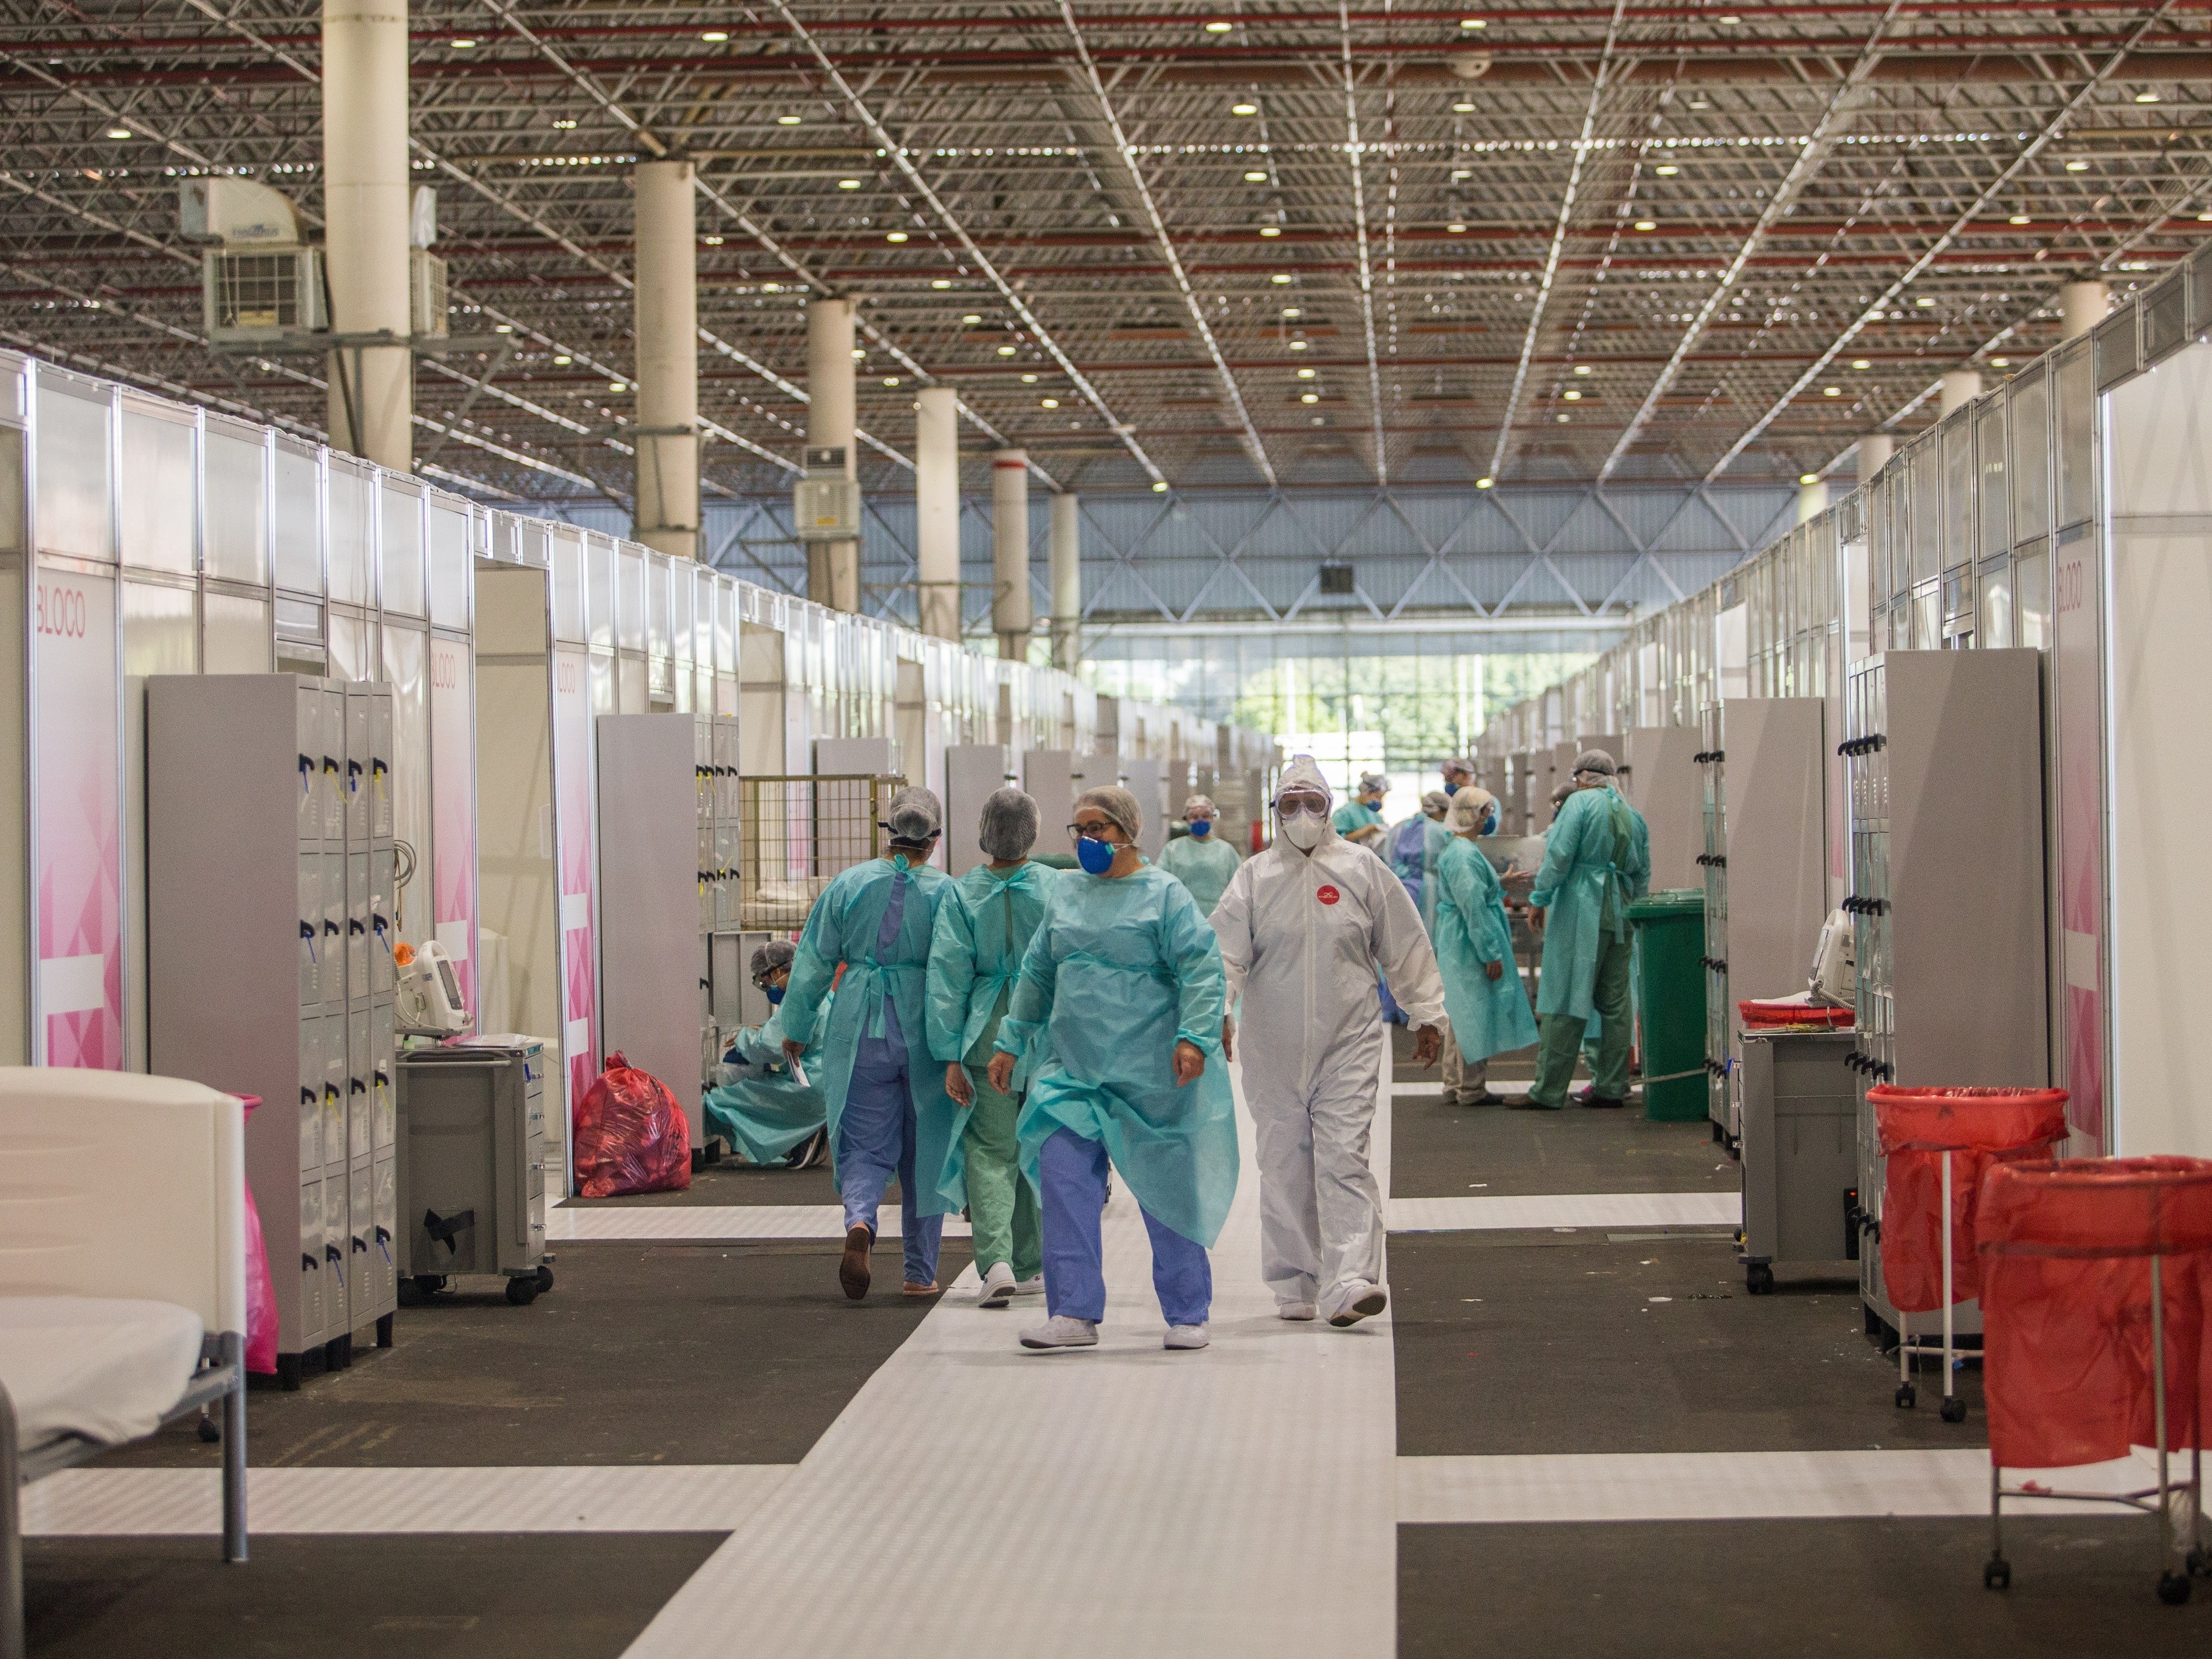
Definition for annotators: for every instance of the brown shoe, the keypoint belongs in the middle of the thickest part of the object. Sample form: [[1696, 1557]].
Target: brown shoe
[[853, 1265], [910, 1288]]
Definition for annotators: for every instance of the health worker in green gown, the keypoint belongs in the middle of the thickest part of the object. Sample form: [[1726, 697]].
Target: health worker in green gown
[[1360, 819], [1597, 857], [1123, 981], [1203, 860], [1484, 998], [759, 1105], [983, 928], [888, 1112]]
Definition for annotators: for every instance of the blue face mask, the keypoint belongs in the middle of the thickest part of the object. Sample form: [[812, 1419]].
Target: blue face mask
[[1450, 789], [1490, 825], [1095, 855], [1202, 826], [775, 994]]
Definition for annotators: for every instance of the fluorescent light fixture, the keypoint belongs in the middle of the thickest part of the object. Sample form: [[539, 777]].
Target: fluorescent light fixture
[[1484, 484], [895, 236], [1243, 109]]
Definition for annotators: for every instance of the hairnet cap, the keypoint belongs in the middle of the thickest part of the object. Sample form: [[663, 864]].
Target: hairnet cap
[[1595, 760], [1435, 801], [1451, 766], [775, 953], [1561, 793], [1470, 809], [1200, 803], [1302, 774], [913, 815], [1118, 804], [1373, 780], [1008, 828]]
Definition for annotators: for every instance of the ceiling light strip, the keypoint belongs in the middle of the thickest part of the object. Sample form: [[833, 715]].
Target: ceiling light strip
[[1359, 220]]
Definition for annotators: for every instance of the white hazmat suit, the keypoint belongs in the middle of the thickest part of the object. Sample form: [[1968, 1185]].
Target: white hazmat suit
[[1303, 935]]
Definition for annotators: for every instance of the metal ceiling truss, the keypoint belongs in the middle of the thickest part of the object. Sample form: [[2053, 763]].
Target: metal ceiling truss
[[1306, 246]]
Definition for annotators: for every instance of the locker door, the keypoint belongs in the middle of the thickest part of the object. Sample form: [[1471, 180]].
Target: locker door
[[361, 1258], [379, 765], [356, 924], [310, 762], [311, 1093], [334, 921], [728, 892], [314, 1315], [385, 1206], [358, 792], [338, 1268], [382, 1102], [360, 1108], [311, 927], [334, 1084], [710, 886], [332, 777], [384, 933]]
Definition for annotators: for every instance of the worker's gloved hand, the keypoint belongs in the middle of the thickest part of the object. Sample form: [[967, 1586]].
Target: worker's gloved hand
[[1228, 1036], [1428, 1045], [957, 1084], [1495, 970], [1002, 1071], [794, 1049], [1189, 1062]]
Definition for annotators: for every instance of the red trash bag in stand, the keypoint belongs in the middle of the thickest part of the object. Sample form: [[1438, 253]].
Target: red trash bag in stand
[[261, 1287], [631, 1136]]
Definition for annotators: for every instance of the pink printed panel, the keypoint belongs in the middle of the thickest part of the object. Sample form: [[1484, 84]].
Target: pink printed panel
[[572, 771], [452, 806], [80, 887]]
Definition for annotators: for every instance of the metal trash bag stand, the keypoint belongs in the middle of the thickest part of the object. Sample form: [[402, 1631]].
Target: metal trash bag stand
[[1954, 1409], [2173, 1586]]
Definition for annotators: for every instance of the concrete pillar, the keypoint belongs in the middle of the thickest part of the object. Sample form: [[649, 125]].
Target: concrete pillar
[[365, 242], [1811, 500], [667, 325], [1959, 387], [1874, 450], [1010, 615], [1066, 582], [937, 509], [833, 568], [2081, 307]]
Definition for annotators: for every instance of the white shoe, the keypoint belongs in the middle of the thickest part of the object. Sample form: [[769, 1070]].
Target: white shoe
[[1031, 1286], [1297, 1310], [1186, 1336], [1356, 1300], [998, 1286], [1062, 1331]]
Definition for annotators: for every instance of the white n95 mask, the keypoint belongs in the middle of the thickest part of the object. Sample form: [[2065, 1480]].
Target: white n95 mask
[[1304, 830]]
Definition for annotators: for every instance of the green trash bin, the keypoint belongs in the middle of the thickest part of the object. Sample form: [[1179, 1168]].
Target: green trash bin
[[1670, 996]]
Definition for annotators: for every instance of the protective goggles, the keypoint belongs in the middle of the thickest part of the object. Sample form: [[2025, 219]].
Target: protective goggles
[[1308, 805]]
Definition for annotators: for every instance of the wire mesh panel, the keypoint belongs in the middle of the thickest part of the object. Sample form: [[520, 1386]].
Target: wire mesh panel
[[797, 834]]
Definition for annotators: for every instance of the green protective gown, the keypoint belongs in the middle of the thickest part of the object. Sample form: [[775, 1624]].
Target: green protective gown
[[842, 929], [1488, 1016], [1435, 838], [766, 1112], [1118, 972], [1355, 815], [1597, 857], [1203, 863]]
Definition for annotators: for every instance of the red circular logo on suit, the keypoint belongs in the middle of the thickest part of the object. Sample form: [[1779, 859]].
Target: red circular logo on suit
[[1329, 895]]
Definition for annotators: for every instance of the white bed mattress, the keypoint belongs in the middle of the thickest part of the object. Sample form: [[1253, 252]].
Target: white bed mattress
[[100, 1367]]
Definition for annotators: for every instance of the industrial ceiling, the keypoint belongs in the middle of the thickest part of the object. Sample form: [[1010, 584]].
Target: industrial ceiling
[[1162, 245]]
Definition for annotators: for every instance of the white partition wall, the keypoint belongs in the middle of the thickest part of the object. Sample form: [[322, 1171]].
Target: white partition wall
[[972, 771]]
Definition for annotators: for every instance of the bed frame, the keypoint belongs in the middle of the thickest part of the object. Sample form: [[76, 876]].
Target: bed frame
[[120, 1185]]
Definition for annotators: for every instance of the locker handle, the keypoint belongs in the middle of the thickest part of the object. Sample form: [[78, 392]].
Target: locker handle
[[330, 928], [360, 1244], [330, 765], [307, 933], [353, 777], [307, 1095], [355, 1086], [381, 1078], [331, 1254], [377, 769], [384, 1243], [354, 926], [329, 1091], [308, 1263], [306, 773]]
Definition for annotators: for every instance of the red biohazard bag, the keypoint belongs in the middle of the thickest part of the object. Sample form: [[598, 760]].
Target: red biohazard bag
[[2066, 1307], [631, 1136], [260, 1288], [1977, 1127]]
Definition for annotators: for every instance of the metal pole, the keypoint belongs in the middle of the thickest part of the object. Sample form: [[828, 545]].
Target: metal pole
[[11, 1537], [234, 1449], [666, 317], [1947, 1273], [366, 240], [2158, 1405]]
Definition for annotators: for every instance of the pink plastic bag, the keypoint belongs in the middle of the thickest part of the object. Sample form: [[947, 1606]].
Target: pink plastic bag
[[260, 1288], [631, 1135]]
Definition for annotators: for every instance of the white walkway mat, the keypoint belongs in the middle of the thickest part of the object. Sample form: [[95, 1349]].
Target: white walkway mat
[[977, 1499], [138, 1502], [1567, 1210], [718, 1220], [1733, 1485]]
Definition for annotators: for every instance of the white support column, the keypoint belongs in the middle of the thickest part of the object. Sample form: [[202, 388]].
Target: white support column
[[2081, 307], [1811, 500], [937, 510], [1874, 450], [1958, 387], [1066, 570], [1010, 614], [833, 568], [667, 323], [365, 242]]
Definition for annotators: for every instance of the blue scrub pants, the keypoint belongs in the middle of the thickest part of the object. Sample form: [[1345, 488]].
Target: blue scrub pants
[[1073, 1171], [875, 1141]]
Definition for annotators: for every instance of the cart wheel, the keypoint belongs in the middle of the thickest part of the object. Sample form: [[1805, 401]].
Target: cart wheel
[[1954, 1410], [428, 1284], [1996, 1574], [1758, 1279], [522, 1291], [2173, 1588], [545, 1280], [289, 1368], [1873, 1320], [1907, 1396], [2196, 1563], [208, 1432]]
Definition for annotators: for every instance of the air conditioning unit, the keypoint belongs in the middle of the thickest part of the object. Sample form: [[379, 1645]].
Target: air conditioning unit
[[426, 293], [826, 507], [262, 296]]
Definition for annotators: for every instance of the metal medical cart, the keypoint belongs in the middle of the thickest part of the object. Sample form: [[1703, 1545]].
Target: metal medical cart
[[472, 1164], [1801, 1156]]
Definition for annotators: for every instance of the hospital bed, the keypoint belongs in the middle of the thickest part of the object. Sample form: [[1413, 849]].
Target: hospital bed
[[122, 1282]]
